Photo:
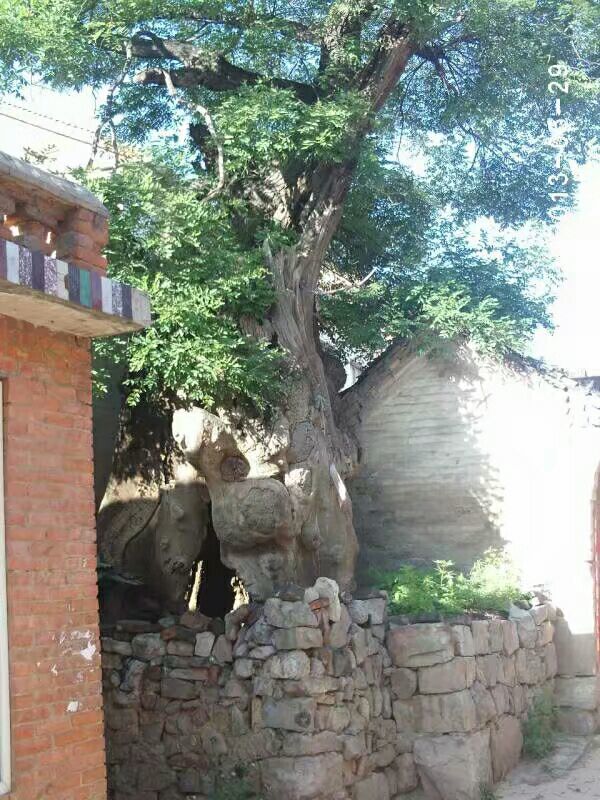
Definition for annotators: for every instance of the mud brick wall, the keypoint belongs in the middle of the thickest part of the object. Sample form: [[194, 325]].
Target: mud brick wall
[[54, 643], [317, 697]]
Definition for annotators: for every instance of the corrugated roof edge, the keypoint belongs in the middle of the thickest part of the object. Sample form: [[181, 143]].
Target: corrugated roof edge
[[66, 191]]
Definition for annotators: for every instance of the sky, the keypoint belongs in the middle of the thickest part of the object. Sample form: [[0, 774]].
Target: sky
[[573, 345]]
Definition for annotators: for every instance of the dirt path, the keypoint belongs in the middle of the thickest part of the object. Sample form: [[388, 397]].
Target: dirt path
[[557, 779]]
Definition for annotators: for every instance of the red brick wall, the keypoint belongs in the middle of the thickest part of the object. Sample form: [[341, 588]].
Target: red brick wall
[[56, 702]]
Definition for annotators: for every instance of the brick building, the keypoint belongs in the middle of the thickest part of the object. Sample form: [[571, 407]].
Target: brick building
[[54, 296]]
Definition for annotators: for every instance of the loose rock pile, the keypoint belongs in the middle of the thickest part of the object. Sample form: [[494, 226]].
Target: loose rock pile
[[315, 696]]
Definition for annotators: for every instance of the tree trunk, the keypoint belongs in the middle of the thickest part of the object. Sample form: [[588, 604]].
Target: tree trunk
[[279, 503]]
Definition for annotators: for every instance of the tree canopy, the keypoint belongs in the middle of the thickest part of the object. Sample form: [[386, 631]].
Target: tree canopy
[[411, 147]]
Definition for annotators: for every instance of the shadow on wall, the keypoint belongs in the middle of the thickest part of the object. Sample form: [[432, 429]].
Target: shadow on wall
[[425, 488]]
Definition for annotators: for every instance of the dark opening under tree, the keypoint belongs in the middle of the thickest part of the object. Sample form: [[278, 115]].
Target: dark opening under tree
[[353, 171]]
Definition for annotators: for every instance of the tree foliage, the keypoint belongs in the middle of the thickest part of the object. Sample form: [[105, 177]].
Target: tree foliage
[[433, 116], [201, 280]]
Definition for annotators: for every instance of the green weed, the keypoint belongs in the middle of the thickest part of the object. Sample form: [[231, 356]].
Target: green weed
[[490, 586], [538, 729], [487, 793]]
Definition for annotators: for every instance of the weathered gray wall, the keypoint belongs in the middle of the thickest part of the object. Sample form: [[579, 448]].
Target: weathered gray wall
[[461, 454]]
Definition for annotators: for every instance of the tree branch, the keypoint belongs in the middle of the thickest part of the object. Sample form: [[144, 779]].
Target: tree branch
[[244, 21], [208, 121], [302, 32], [202, 67], [380, 76], [108, 113], [343, 23]]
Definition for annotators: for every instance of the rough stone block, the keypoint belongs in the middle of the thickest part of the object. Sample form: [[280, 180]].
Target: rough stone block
[[550, 661], [116, 646], [191, 674], [283, 614], [338, 633], [463, 640], [453, 676], [184, 649], [147, 646], [445, 713], [529, 667], [454, 767], [545, 634], [488, 669], [343, 663], [485, 707], [176, 689], [297, 638], [580, 693], [234, 689], [576, 653], [244, 668], [300, 744], [296, 714], [496, 635], [502, 699], [519, 699], [359, 612], [506, 742], [382, 756], [406, 773], [312, 686], [510, 637], [480, 629], [576, 721], [507, 673], [375, 786], [292, 665], [420, 645], [527, 631], [403, 682], [333, 718], [204, 644], [262, 652], [359, 643], [375, 608], [354, 746], [223, 650], [539, 613], [329, 589], [302, 778]]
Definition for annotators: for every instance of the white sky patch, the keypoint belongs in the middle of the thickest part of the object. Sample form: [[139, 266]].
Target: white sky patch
[[574, 343]]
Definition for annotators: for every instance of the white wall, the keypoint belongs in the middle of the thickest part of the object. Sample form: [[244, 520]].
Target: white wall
[[458, 456]]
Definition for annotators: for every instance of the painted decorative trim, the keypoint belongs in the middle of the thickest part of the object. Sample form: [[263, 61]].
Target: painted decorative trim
[[71, 283], [4, 687]]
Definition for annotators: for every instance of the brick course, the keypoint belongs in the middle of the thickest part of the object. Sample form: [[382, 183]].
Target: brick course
[[56, 702]]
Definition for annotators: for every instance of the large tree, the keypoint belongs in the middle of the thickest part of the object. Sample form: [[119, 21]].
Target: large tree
[[355, 171]]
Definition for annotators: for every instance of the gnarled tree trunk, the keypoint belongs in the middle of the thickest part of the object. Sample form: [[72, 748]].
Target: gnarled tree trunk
[[279, 504]]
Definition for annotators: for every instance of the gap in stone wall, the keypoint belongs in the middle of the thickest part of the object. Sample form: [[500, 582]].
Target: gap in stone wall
[[215, 593]]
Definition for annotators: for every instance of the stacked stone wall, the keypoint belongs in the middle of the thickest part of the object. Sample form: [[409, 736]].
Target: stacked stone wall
[[309, 697]]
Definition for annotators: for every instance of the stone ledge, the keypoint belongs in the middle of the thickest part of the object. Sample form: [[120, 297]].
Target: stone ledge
[[67, 192], [61, 296]]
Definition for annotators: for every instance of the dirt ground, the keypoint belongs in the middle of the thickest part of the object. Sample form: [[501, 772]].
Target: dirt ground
[[568, 776]]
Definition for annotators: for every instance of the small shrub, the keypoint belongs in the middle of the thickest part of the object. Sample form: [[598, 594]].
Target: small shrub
[[235, 788], [538, 730], [490, 586], [487, 793]]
